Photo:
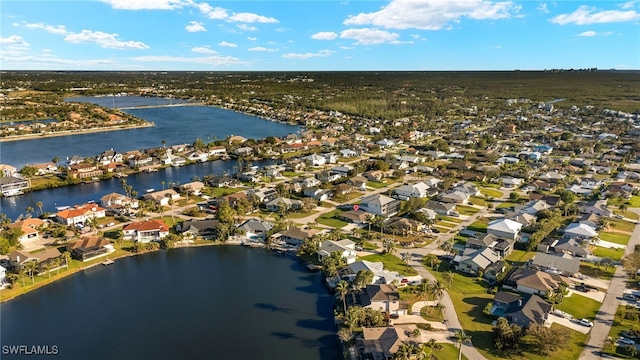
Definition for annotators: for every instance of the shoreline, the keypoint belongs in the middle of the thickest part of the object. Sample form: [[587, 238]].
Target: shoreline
[[127, 255], [74, 132]]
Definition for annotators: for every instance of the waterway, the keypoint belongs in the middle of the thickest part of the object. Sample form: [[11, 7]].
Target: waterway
[[173, 125], [220, 302], [81, 193]]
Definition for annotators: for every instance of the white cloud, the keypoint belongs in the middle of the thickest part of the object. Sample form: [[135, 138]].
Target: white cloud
[[13, 40], [588, 33], [58, 30], [433, 14], [252, 38], [368, 36], [324, 35], [262, 49], [227, 44], [147, 4], [213, 13], [195, 26], [104, 40], [203, 50], [252, 18], [208, 60], [246, 27], [347, 47], [586, 15], [321, 53], [543, 8], [629, 4]]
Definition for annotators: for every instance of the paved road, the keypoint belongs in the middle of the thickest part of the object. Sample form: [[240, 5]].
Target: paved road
[[604, 318]]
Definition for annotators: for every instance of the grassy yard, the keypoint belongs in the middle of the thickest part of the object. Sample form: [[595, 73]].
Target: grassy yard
[[633, 202], [479, 225], [330, 219], [446, 224], [615, 254], [505, 205], [217, 192], [579, 306], [618, 238], [466, 210], [449, 219], [619, 326], [593, 271], [291, 174], [622, 225], [449, 351], [300, 214], [377, 185], [519, 257], [391, 263], [491, 192], [628, 214], [346, 197], [476, 200]]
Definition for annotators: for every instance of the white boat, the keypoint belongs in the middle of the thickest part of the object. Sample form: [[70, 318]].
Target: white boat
[[150, 170], [107, 262], [60, 208], [150, 190], [9, 193]]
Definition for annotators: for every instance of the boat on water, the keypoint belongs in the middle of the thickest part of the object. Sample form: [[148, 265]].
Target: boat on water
[[60, 208], [107, 262], [9, 193], [150, 190], [121, 175], [151, 170]]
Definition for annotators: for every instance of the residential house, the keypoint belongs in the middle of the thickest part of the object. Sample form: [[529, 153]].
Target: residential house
[[504, 228], [383, 297], [417, 190], [296, 236], [532, 207], [118, 202], [283, 204], [343, 189], [468, 188], [220, 181], [511, 182], [380, 205], [380, 275], [441, 208], [243, 151], [580, 231], [404, 225], [552, 176], [475, 261], [29, 227], [109, 156], [522, 310], [597, 207], [256, 229], [45, 168], [455, 197], [194, 187], [79, 214], [18, 258], [90, 247], [217, 151], [571, 246], [263, 195], [7, 170], [206, 228], [530, 281], [374, 175], [346, 248], [382, 342], [84, 171], [162, 197], [500, 246], [13, 185], [329, 176], [359, 182], [140, 160], [355, 216], [309, 182], [564, 264], [348, 153], [145, 231], [315, 160], [316, 193]]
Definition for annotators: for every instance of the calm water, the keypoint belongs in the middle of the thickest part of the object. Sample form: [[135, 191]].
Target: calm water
[[174, 125], [222, 302], [80, 194]]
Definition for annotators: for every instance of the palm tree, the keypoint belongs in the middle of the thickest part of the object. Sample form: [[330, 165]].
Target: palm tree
[[342, 289], [389, 246], [461, 338], [162, 183], [406, 256], [31, 267], [437, 289], [67, 257], [404, 352], [39, 205], [449, 277], [423, 352], [29, 210]]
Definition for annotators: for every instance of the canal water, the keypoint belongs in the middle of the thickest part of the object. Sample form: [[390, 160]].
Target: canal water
[[219, 302]]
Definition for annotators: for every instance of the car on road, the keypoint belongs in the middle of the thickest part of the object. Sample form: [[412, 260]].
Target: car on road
[[625, 341], [585, 322], [619, 217]]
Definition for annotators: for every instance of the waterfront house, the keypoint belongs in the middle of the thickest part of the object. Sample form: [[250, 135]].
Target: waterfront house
[[45, 168], [217, 151], [346, 248], [256, 229], [18, 258], [382, 342], [7, 170], [200, 227], [296, 236], [79, 214], [118, 202], [380, 275], [140, 160], [380, 205], [13, 185], [29, 228], [243, 151], [90, 247], [109, 156], [145, 231], [383, 297], [162, 197], [220, 181], [193, 188]]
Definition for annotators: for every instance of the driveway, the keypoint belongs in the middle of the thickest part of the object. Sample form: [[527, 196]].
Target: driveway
[[571, 324], [595, 295]]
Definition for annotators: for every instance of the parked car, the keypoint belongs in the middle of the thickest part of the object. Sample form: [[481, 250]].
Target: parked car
[[585, 322], [626, 341], [629, 297], [619, 217]]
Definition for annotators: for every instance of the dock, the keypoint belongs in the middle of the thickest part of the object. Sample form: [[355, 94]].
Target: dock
[[107, 262]]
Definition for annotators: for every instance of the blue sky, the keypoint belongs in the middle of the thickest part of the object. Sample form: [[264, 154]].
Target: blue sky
[[318, 35]]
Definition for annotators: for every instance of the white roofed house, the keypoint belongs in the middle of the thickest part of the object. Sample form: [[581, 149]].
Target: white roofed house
[[455, 197], [504, 228], [383, 298], [380, 275], [194, 187], [145, 231], [580, 231], [380, 205], [346, 248], [468, 188], [256, 229], [417, 190], [162, 197], [474, 261], [117, 202], [598, 207]]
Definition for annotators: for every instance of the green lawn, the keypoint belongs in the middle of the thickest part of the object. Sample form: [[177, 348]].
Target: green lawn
[[300, 214], [449, 351], [622, 225], [466, 210], [628, 214], [446, 224], [479, 225], [615, 254], [622, 239], [476, 200], [579, 306], [377, 185], [618, 327], [290, 174], [329, 219], [391, 263], [505, 205], [633, 202], [449, 219], [519, 257], [592, 270], [442, 229], [217, 192], [491, 192]]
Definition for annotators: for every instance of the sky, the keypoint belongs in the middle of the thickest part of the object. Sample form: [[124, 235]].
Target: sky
[[325, 35]]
